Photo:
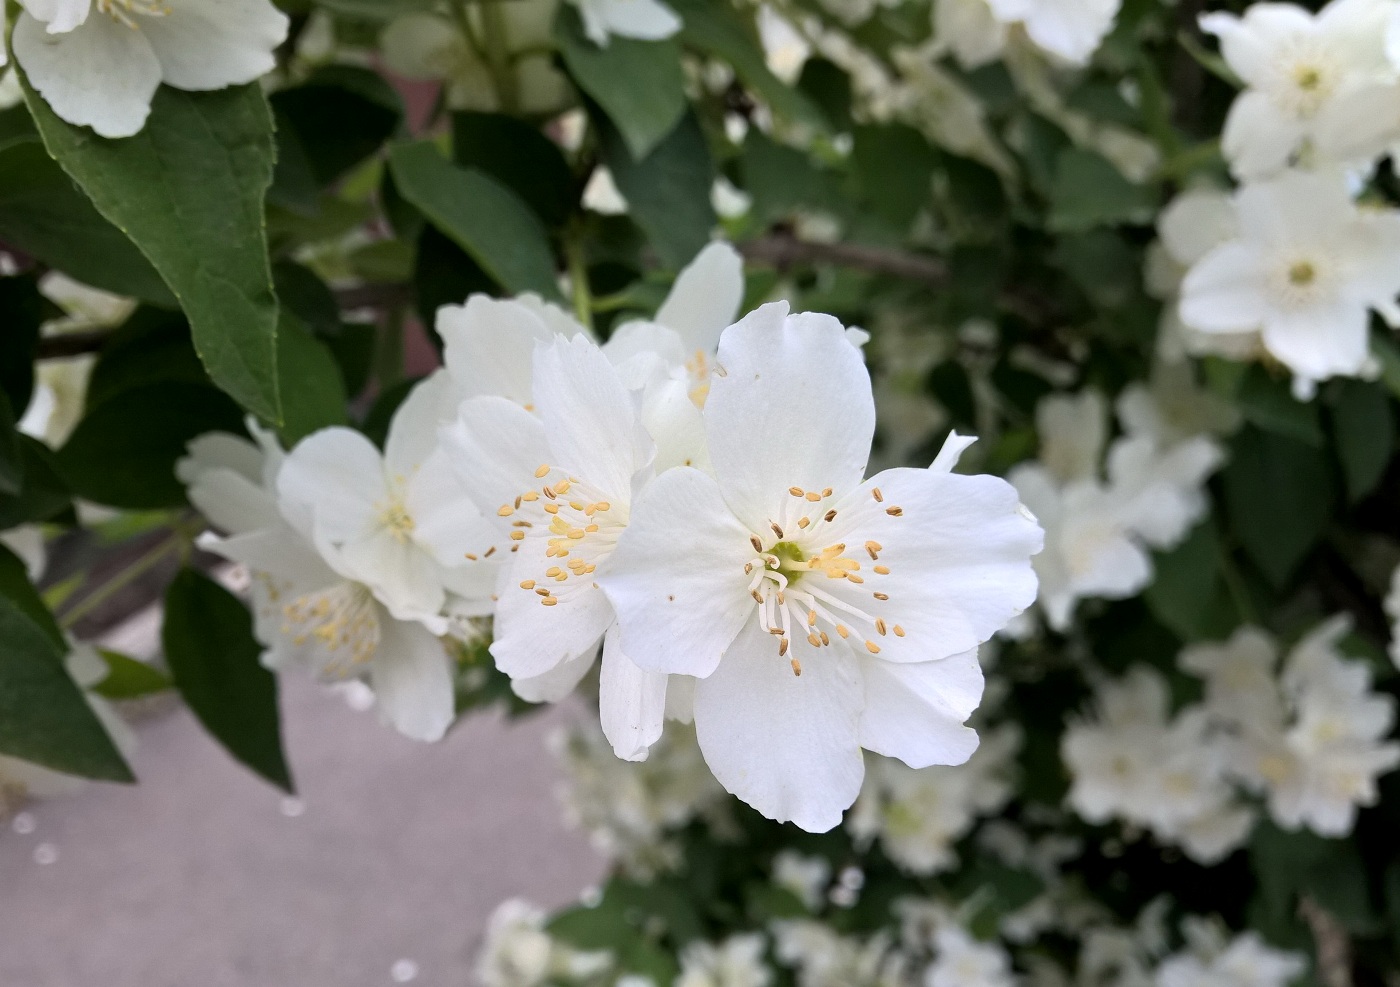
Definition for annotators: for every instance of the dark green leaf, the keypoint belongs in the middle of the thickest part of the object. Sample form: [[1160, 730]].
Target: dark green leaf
[[151, 346], [894, 164], [334, 120], [313, 391], [123, 452], [1267, 402], [1187, 585], [16, 587], [11, 458], [214, 660], [128, 678], [44, 494], [520, 157], [639, 84], [188, 190], [481, 215], [46, 216], [668, 191], [21, 314], [829, 87], [1365, 430], [44, 717], [1088, 192]]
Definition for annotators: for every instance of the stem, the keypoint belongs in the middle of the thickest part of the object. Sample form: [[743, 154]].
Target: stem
[[388, 356], [578, 280], [497, 54], [143, 564], [1239, 593], [1333, 946]]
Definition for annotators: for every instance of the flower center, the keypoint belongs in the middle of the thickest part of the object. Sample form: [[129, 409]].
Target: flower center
[[698, 368], [393, 516], [1306, 84], [795, 569], [342, 621], [577, 523], [126, 11], [1300, 280]]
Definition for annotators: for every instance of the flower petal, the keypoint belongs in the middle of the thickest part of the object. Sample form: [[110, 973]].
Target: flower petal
[[590, 419], [489, 346], [210, 44], [788, 745], [446, 523], [337, 476], [705, 298], [531, 637], [1258, 137], [1224, 291], [953, 447], [413, 430], [100, 74], [495, 446], [794, 408], [412, 681], [631, 702], [556, 683], [676, 578], [1321, 340], [402, 577], [916, 712]]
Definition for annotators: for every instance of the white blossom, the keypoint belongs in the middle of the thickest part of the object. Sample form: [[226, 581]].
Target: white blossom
[[806, 877], [735, 962], [519, 952], [1304, 270], [646, 20], [1068, 29], [98, 63], [825, 959], [1244, 961], [962, 961], [752, 581]]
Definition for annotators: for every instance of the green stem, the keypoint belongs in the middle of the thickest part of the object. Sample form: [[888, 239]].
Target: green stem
[[1239, 593], [497, 55], [144, 564], [578, 280], [388, 356]]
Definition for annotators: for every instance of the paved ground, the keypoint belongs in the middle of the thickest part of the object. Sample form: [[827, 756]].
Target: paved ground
[[203, 877]]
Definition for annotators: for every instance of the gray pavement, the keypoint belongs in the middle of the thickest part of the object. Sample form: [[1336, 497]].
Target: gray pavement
[[203, 876]]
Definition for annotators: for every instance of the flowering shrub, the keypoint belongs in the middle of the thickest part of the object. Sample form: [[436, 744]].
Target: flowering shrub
[[948, 443]]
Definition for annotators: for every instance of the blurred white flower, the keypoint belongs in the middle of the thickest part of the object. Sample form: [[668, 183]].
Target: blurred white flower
[[98, 63], [970, 30], [1244, 961], [1317, 86], [645, 20], [1304, 270], [518, 952], [735, 962], [806, 877], [1069, 29], [962, 961], [825, 959]]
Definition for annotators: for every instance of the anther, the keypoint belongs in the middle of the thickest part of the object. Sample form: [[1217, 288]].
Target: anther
[[803, 521], [527, 584], [872, 647], [795, 491], [544, 468], [813, 496], [883, 570], [826, 492], [880, 626], [882, 596], [757, 545], [879, 497], [873, 547], [550, 601], [782, 647], [544, 592], [814, 640], [505, 510], [517, 535], [894, 511], [841, 629], [829, 516], [776, 530], [811, 617], [898, 631], [603, 505], [490, 551], [796, 667]]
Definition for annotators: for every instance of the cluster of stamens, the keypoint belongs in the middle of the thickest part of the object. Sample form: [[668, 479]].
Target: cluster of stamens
[[783, 603], [342, 620], [572, 523], [126, 11]]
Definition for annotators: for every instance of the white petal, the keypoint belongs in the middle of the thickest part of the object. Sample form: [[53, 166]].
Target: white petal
[[101, 74], [231, 502], [589, 417], [958, 558], [676, 425], [952, 449], [1358, 125], [705, 298], [412, 681], [1258, 137], [1196, 222], [648, 20], [556, 683], [1224, 291], [787, 745], [1320, 341], [413, 431], [915, 712], [60, 16], [794, 408], [280, 552], [446, 523], [495, 446], [402, 576], [489, 346], [638, 338], [676, 578], [210, 44], [1251, 45], [337, 475], [220, 449], [631, 702], [532, 638]]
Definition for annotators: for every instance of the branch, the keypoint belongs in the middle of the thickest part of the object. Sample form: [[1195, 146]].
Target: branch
[[1333, 945], [72, 344], [783, 250]]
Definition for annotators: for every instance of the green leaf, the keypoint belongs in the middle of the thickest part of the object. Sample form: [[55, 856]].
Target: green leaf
[[1187, 585], [21, 314], [214, 660], [44, 494], [44, 717], [123, 452], [128, 678], [337, 118], [188, 190], [46, 216], [16, 587], [151, 346], [1364, 427], [11, 458], [639, 84], [313, 390], [1088, 191], [1279, 494], [894, 164], [520, 157], [781, 179], [668, 191], [719, 30], [1269, 403], [480, 215]]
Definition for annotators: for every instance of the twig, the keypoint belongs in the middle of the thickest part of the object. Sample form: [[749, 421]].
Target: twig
[[72, 344], [1333, 945], [783, 250]]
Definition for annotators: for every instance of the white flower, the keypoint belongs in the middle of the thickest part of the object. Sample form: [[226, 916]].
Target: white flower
[[1161, 491], [1072, 429], [1069, 29], [561, 484], [825, 959], [646, 20], [307, 614], [98, 62], [398, 522], [970, 30], [735, 962], [806, 877], [1168, 775], [489, 344], [1245, 962], [919, 815], [1306, 266], [962, 961], [1316, 85], [1241, 681], [518, 952], [760, 580]]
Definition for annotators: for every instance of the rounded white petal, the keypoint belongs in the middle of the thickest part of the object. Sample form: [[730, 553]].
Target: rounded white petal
[[337, 475], [786, 744], [1258, 136], [1195, 223], [676, 578], [413, 431], [403, 577], [412, 681], [916, 712], [532, 638], [556, 683], [446, 523], [794, 408], [210, 44], [495, 446], [705, 298], [60, 16], [631, 702], [489, 346], [1224, 291], [100, 74], [647, 20], [1322, 340]]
